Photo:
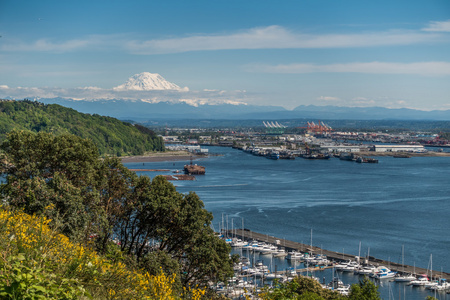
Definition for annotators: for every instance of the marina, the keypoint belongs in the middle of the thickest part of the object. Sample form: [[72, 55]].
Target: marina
[[386, 206], [247, 235]]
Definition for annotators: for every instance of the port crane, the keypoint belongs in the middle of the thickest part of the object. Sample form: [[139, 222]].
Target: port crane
[[320, 128]]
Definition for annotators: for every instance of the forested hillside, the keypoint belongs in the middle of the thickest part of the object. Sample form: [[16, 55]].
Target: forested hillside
[[110, 135]]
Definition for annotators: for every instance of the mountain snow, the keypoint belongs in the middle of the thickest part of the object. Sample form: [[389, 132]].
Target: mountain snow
[[148, 82]]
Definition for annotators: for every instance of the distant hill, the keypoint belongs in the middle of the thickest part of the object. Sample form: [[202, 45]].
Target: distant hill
[[112, 136], [370, 113], [139, 110]]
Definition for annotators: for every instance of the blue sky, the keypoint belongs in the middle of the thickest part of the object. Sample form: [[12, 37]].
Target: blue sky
[[288, 53]]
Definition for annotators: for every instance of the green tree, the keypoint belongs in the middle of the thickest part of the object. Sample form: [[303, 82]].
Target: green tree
[[43, 170], [179, 227], [301, 287], [111, 136], [364, 290], [101, 198]]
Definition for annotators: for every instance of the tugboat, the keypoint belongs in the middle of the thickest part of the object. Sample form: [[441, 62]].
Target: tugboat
[[273, 155], [362, 159]]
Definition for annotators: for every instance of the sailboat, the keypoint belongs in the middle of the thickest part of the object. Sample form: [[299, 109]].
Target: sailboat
[[432, 282], [403, 277], [423, 280]]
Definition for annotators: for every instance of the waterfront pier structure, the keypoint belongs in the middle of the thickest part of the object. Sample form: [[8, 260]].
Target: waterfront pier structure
[[248, 235]]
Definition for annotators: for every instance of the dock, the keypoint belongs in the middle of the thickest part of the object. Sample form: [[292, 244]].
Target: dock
[[248, 235]]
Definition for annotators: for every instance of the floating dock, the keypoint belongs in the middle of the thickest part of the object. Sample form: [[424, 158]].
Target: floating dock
[[248, 235]]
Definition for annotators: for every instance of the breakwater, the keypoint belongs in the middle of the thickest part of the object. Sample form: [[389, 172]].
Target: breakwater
[[248, 235]]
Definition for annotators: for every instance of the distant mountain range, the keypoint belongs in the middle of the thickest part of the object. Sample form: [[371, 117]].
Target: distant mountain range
[[148, 96], [139, 110]]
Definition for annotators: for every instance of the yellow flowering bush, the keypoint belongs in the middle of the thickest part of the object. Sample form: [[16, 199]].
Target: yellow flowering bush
[[36, 262]]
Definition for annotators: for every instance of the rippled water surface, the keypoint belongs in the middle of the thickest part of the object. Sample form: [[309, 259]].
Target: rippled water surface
[[399, 201]]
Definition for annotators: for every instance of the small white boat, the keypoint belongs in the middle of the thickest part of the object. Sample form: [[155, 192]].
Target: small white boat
[[340, 266], [238, 243], [421, 281], [343, 289], [271, 276], [268, 249], [351, 266], [366, 270], [280, 253], [294, 255], [431, 283], [404, 278], [442, 286], [383, 273]]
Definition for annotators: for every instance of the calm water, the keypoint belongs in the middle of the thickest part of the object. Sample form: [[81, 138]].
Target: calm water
[[384, 206]]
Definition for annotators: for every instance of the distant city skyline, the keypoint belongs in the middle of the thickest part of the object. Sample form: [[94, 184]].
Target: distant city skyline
[[393, 54]]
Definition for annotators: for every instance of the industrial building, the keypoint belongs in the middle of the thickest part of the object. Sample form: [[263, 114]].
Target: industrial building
[[398, 148]]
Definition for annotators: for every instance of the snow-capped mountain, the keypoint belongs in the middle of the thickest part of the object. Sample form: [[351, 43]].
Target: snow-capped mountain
[[147, 82]]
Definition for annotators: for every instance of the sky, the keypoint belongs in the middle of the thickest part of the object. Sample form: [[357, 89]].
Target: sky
[[393, 54]]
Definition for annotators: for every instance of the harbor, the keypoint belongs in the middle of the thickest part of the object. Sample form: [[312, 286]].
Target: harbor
[[332, 256], [383, 206]]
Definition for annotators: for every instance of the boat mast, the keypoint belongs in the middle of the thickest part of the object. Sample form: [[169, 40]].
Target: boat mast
[[403, 258]]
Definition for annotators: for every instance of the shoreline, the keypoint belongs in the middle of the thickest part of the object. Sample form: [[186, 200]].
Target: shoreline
[[186, 156], [411, 154], [160, 157]]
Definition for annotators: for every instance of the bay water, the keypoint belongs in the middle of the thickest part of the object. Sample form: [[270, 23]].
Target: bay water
[[397, 202]]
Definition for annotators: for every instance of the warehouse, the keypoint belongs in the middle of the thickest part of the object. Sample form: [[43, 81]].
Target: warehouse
[[398, 148]]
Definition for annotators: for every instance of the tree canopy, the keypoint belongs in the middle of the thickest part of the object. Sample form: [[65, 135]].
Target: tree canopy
[[110, 135], [306, 288], [100, 199]]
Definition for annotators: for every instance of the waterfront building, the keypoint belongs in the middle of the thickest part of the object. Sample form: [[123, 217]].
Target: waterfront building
[[342, 148], [398, 148]]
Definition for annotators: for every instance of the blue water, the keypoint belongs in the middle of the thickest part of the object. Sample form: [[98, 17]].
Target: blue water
[[384, 206]]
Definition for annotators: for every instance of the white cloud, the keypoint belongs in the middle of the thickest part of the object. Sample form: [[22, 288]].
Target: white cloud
[[437, 68], [91, 42], [44, 45], [362, 101], [270, 37], [437, 26], [277, 37], [327, 98]]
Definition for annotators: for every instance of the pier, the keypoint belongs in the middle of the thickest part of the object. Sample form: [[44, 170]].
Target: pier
[[248, 235]]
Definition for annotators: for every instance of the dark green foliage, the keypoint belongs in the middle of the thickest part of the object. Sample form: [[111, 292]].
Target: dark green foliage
[[302, 288], [180, 227], [111, 136], [43, 170], [87, 197], [308, 288], [364, 290]]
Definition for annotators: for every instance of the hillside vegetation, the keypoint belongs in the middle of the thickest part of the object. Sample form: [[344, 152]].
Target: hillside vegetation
[[110, 135], [73, 222]]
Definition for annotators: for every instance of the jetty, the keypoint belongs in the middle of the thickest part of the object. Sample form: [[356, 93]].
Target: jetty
[[248, 235]]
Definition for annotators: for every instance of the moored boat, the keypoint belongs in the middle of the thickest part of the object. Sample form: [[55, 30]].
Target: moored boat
[[383, 273], [421, 281], [404, 278]]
